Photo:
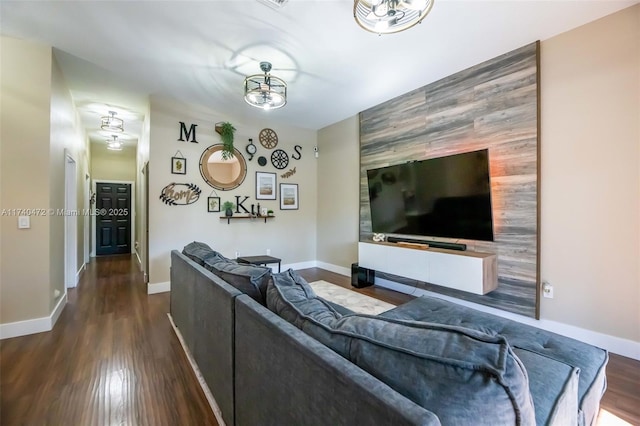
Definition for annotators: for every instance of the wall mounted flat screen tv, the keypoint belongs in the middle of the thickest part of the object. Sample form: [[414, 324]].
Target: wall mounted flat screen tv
[[439, 197]]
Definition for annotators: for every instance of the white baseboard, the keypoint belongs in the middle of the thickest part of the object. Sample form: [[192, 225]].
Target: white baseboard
[[299, 265], [79, 273], [207, 392], [613, 344], [335, 268], [158, 287], [33, 326]]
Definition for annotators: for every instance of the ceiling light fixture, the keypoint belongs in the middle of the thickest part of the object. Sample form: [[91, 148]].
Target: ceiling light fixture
[[264, 90], [115, 144], [390, 16], [111, 123]]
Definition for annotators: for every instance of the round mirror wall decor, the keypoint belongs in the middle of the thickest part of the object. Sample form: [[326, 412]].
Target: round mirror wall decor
[[220, 173]]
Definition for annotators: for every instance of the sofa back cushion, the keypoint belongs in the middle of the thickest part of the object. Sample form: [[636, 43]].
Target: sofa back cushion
[[249, 279], [197, 252], [463, 376]]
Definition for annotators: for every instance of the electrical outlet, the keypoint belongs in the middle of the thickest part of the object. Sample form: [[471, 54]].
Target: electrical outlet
[[547, 290], [268, 252]]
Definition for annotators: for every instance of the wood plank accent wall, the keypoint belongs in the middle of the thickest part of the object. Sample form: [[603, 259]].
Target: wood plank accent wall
[[492, 105]]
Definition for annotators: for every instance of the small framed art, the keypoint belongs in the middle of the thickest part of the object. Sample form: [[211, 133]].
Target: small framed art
[[288, 196], [265, 186], [178, 166], [213, 204]]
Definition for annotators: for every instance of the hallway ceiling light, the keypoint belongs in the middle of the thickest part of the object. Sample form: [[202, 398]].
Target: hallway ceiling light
[[115, 144], [390, 16], [111, 123], [264, 90]]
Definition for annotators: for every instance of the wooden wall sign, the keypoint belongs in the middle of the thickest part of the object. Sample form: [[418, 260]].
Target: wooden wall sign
[[180, 194]]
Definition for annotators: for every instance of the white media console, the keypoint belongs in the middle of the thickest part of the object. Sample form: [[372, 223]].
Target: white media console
[[468, 271]]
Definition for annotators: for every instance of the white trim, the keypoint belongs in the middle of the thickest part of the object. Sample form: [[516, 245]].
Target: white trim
[[132, 212], [613, 344], [79, 273], [70, 220], [33, 326], [138, 257], [203, 384], [158, 287], [335, 268], [296, 266], [57, 311]]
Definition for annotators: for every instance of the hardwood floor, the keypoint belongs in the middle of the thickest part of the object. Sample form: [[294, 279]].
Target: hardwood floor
[[112, 358], [621, 400]]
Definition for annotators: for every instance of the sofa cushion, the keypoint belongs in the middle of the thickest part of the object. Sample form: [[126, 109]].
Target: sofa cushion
[[554, 388], [197, 252], [463, 376], [249, 279], [590, 360]]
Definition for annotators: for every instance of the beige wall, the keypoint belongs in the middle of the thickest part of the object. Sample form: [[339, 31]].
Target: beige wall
[[590, 241], [339, 192], [590, 173], [66, 136], [39, 124], [291, 235], [113, 165], [25, 74]]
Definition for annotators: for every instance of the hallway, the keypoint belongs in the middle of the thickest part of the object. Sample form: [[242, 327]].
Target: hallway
[[112, 358]]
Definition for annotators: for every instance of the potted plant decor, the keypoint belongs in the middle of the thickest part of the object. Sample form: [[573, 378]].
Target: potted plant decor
[[226, 131], [228, 206], [269, 212]]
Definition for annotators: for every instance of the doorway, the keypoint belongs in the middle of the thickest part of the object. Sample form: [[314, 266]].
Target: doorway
[[70, 222], [113, 218]]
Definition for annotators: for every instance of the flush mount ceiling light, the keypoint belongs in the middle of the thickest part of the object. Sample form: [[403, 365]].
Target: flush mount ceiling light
[[390, 16], [111, 123], [264, 90], [115, 144]]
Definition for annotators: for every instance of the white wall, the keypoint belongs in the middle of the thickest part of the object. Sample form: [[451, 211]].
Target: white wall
[[590, 197], [291, 235], [339, 192], [590, 173], [113, 165]]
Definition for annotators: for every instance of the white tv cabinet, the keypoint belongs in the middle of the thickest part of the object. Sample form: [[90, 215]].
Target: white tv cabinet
[[468, 271]]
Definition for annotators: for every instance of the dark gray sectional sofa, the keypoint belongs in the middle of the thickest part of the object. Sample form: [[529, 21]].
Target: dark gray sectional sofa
[[273, 353]]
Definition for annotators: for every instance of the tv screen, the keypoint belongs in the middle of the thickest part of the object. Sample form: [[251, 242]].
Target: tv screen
[[440, 197]]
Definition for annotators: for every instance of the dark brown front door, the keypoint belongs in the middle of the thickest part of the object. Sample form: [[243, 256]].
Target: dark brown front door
[[113, 218]]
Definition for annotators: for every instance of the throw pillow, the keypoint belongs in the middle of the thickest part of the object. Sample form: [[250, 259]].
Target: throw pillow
[[197, 252], [249, 279]]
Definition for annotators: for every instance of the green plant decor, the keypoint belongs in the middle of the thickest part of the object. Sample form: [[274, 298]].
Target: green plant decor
[[228, 206], [269, 212], [226, 131]]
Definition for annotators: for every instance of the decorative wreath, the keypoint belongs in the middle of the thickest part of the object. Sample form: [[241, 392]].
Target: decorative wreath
[[268, 138]]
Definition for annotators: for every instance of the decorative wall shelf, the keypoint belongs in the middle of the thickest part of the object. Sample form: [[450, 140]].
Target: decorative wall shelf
[[230, 218]]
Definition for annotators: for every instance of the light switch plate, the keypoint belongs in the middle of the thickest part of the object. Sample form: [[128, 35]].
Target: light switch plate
[[24, 222]]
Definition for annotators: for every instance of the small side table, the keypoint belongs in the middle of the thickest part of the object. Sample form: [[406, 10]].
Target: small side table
[[259, 260]]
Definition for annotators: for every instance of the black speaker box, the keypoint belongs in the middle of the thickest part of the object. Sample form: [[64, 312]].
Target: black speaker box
[[362, 277]]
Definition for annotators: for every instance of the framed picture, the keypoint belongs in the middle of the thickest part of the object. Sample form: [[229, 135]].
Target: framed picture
[[288, 196], [265, 186], [178, 166], [213, 204]]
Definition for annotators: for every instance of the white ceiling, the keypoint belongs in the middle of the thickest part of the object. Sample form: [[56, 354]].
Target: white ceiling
[[114, 54]]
